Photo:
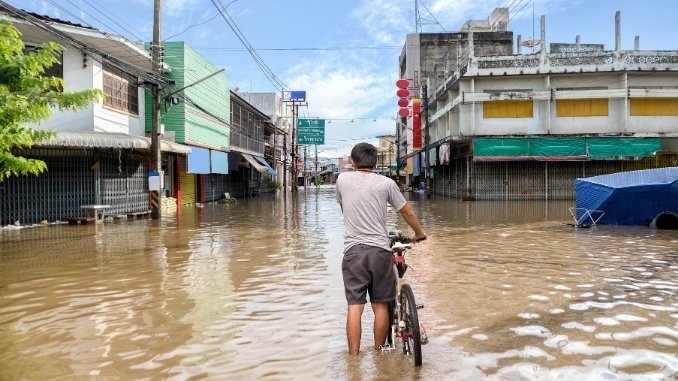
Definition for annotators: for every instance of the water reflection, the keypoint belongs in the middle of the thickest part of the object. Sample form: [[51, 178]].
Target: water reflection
[[253, 290]]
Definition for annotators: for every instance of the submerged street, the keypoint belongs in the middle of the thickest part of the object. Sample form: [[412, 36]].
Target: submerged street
[[253, 290]]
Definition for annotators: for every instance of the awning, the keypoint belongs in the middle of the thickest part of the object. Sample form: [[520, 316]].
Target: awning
[[109, 140], [219, 162], [253, 162], [199, 161], [263, 161], [586, 148]]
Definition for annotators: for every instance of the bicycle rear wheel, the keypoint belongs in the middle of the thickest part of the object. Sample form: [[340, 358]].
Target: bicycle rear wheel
[[410, 334]]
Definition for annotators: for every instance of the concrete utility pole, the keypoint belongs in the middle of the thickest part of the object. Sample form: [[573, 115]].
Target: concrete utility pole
[[156, 159], [398, 123], [303, 167], [295, 154]]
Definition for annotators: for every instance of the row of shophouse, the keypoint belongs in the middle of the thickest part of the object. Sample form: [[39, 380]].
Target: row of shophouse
[[500, 124], [213, 141]]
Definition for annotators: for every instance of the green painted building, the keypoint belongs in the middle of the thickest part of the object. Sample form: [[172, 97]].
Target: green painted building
[[199, 117], [202, 116]]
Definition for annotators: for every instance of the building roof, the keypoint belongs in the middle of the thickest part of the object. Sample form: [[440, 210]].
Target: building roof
[[76, 139]]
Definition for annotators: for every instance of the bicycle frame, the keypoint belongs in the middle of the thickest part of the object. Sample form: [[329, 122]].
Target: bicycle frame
[[403, 314], [399, 250]]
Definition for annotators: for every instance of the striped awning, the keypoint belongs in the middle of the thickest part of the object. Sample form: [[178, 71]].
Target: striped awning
[[110, 140]]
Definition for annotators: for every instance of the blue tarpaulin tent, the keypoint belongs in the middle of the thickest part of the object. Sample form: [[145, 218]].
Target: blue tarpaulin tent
[[629, 198]]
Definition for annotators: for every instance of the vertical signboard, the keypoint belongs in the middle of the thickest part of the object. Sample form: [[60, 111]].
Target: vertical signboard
[[416, 124]]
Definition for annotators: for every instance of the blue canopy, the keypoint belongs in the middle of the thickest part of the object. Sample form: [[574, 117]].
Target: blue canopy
[[629, 198]]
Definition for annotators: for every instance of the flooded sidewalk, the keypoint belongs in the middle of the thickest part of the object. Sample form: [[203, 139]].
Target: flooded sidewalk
[[253, 290]]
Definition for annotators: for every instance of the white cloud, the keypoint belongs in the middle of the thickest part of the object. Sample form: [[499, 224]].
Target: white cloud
[[180, 7], [386, 21], [345, 88]]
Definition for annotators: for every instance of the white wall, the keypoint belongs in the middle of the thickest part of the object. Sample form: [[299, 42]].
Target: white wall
[[76, 78], [509, 126], [109, 120], [94, 117], [467, 119]]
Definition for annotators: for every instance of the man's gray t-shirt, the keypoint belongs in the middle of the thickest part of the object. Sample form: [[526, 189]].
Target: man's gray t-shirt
[[364, 198]]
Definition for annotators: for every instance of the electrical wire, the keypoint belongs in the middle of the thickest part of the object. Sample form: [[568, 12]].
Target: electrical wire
[[337, 48], [272, 78], [106, 14], [87, 49]]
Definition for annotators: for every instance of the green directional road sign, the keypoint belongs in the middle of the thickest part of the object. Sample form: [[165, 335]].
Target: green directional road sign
[[301, 123], [311, 131]]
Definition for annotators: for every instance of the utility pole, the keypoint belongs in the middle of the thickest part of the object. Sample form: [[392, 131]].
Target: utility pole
[[297, 98], [398, 123], [303, 170], [284, 170], [317, 173], [390, 159], [156, 159], [295, 181], [427, 138]]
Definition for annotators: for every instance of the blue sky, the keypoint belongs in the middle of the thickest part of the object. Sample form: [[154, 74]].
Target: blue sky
[[344, 53]]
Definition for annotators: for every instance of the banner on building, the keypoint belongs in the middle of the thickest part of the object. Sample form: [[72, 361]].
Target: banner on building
[[444, 154], [416, 124]]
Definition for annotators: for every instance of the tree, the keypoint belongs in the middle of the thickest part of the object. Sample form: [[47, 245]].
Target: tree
[[28, 96]]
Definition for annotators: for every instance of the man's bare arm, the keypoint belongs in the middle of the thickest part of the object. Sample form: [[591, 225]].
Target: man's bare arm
[[412, 220]]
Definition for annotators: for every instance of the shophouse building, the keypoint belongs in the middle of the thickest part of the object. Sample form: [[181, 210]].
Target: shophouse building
[[100, 155], [251, 130], [525, 126], [386, 157], [431, 58], [196, 112], [278, 144]]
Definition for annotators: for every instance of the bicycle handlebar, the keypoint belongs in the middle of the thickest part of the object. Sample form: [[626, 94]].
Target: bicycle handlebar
[[399, 237]]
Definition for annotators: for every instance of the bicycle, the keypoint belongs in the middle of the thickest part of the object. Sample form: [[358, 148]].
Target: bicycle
[[403, 310]]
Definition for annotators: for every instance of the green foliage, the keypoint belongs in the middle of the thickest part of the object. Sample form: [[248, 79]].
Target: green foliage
[[26, 96], [274, 184], [318, 180]]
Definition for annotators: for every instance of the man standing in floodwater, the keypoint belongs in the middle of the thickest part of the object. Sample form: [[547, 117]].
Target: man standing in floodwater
[[367, 264]]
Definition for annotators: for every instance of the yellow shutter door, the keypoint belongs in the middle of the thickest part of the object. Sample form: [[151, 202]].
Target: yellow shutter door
[[187, 184]]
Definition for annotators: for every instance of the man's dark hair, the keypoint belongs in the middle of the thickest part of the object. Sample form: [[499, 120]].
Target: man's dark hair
[[364, 155]]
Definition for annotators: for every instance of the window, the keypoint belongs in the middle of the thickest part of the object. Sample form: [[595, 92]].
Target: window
[[653, 107], [508, 108], [122, 90], [582, 107], [56, 70]]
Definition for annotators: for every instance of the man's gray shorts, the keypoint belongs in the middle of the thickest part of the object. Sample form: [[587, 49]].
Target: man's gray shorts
[[368, 269]]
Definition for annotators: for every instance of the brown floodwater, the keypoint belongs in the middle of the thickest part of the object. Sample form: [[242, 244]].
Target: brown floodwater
[[253, 291]]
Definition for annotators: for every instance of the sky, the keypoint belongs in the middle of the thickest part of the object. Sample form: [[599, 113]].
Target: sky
[[344, 53]]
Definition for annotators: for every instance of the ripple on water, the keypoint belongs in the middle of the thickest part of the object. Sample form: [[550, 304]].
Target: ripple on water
[[253, 291]]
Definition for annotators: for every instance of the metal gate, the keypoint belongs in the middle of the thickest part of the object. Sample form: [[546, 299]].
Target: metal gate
[[187, 181], [75, 177]]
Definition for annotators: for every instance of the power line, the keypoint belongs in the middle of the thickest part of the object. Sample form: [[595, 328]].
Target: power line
[[106, 14], [86, 49], [275, 81], [111, 49], [431, 14], [385, 47], [192, 26]]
